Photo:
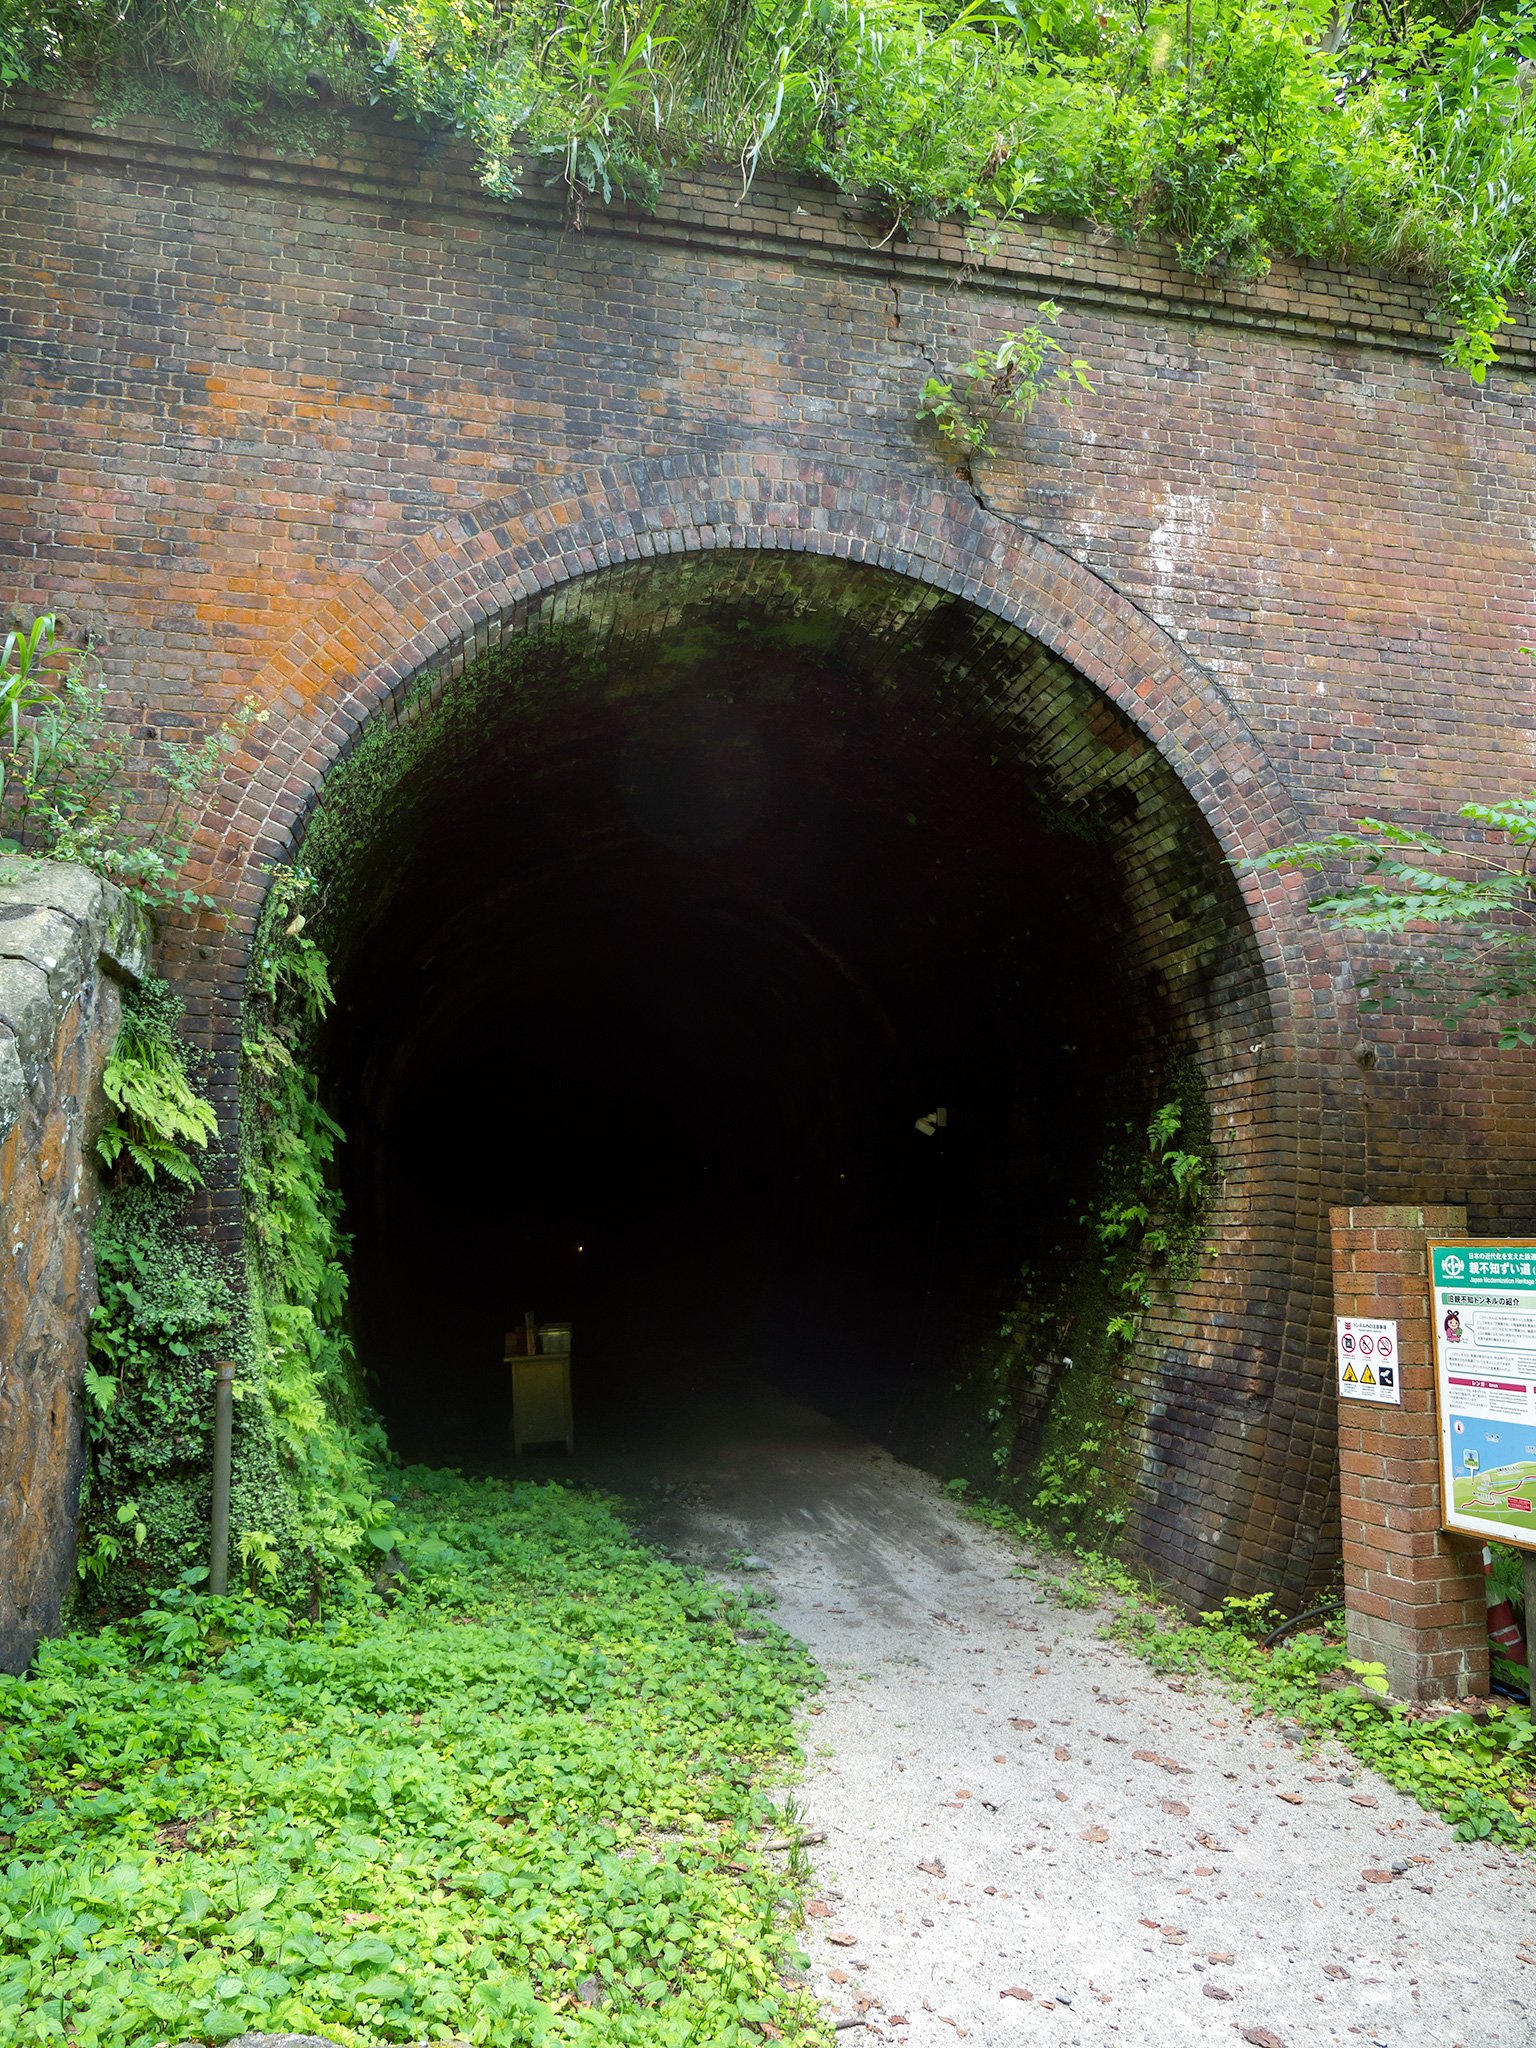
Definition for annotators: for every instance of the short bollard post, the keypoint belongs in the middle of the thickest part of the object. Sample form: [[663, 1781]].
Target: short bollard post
[[223, 1443]]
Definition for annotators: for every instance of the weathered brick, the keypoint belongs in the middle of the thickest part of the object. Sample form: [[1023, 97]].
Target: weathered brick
[[301, 429]]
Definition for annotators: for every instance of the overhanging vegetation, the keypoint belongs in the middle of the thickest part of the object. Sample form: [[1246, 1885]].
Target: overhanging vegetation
[[1384, 132]]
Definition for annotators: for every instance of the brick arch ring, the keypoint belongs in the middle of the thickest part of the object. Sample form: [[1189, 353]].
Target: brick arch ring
[[351, 658]]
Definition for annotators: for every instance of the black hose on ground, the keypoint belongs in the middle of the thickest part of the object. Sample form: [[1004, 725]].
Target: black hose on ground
[[1497, 1685], [1296, 1621]]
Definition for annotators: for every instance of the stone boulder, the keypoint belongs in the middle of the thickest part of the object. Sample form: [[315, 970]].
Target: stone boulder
[[68, 942]]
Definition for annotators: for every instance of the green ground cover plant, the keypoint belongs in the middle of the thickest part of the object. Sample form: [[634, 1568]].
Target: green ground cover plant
[[1477, 1770], [526, 1798], [1388, 132]]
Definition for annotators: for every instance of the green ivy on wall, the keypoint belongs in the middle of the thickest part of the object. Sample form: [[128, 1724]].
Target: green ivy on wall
[[1061, 1405], [169, 1303], [303, 1403], [308, 1516]]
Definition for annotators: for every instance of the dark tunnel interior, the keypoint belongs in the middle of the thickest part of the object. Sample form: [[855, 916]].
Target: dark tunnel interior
[[698, 895]]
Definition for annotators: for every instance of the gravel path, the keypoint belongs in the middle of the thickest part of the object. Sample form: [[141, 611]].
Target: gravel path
[[1032, 1838]]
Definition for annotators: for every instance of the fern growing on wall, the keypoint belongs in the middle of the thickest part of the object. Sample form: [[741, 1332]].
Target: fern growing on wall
[[157, 1113], [306, 1395], [307, 1511]]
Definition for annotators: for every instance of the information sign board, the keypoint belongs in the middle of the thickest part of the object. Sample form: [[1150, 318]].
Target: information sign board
[[1365, 1348], [1484, 1322]]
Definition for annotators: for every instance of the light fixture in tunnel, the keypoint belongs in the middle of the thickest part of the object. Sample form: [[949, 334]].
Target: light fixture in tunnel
[[935, 1120]]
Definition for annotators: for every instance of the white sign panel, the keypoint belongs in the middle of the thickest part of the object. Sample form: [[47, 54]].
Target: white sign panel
[[1366, 1350], [1484, 1295]]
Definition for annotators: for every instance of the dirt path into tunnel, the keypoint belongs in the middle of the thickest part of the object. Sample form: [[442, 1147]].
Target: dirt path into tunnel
[[1031, 1837]]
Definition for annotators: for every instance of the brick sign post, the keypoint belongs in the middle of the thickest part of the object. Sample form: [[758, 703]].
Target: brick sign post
[[1414, 1597]]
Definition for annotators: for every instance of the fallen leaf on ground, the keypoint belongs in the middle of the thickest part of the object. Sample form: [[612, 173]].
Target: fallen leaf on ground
[[844, 1940], [1361, 1799], [1214, 1991], [818, 1909], [1173, 1806], [1021, 1724], [1094, 1835], [1261, 2037], [1220, 1955], [838, 1976], [1015, 1991], [1377, 1876], [932, 1866], [1334, 1970], [1174, 1934], [1290, 1798], [1063, 1754]]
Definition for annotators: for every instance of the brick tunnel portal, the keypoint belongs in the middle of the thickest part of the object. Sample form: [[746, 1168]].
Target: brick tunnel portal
[[664, 910]]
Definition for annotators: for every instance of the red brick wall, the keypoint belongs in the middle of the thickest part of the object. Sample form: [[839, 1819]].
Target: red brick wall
[[1416, 1599], [296, 429]]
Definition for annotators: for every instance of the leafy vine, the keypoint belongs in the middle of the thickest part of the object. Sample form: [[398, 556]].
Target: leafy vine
[[1003, 382], [1061, 1401]]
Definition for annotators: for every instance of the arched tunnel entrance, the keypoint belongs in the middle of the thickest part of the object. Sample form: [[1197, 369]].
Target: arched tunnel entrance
[[664, 912]]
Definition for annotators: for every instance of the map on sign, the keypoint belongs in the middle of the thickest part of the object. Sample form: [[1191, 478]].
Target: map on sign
[[1484, 1314], [1365, 1349]]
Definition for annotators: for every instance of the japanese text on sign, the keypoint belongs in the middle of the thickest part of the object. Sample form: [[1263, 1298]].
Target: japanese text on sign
[[1365, 1350], [1484, 1317]]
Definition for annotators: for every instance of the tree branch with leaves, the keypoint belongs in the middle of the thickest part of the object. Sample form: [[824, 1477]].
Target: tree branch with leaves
[[1457, 923]]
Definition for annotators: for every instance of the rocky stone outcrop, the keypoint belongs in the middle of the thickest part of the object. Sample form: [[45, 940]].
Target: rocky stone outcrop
[[68, 942]]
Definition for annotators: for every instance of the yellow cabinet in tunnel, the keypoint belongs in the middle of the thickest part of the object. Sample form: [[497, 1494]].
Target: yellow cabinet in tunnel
[[541, 1400]]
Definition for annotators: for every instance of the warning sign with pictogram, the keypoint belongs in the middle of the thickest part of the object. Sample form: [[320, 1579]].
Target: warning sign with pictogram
[[1366, 1351]]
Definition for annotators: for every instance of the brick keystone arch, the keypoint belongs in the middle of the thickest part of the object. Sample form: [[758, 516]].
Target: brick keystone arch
[[348, 660]]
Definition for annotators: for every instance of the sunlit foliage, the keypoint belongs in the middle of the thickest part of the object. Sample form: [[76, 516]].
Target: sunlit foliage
[[1390, 132]]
